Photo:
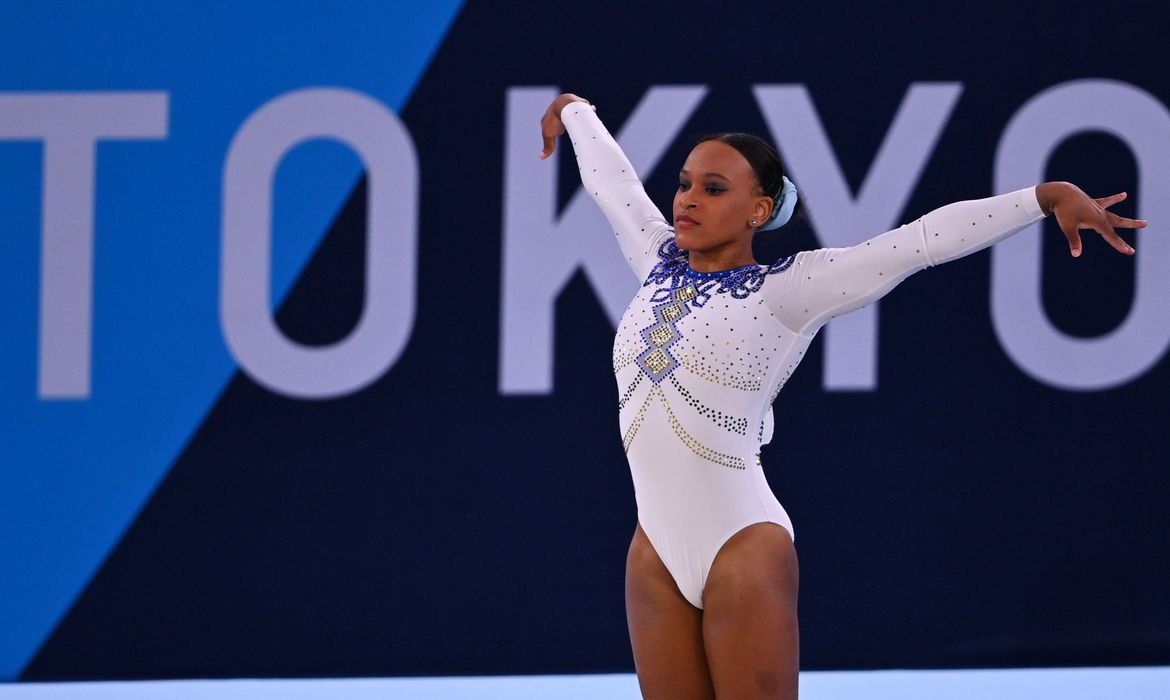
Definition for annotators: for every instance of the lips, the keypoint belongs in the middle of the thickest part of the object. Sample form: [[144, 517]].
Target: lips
[[684, 221]]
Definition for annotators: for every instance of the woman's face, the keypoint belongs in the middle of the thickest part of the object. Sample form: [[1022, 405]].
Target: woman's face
[[717, 198]]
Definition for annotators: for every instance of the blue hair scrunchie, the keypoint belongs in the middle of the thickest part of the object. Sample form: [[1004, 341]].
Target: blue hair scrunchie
[[785, 204]]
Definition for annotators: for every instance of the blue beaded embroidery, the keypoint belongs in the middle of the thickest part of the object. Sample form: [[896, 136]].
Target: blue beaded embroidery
[[656, 360], [674, 271], [678, 287]]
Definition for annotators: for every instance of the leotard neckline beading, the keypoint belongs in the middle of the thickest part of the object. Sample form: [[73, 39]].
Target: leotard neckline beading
[[673, 271]]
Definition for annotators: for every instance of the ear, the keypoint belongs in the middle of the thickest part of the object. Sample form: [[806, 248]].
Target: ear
[[762, 209]]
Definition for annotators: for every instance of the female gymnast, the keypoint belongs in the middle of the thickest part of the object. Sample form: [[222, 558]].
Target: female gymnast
[[700, 354]]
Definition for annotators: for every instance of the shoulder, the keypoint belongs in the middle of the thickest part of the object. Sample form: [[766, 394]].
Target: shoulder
[[780, 265], [672, 260]]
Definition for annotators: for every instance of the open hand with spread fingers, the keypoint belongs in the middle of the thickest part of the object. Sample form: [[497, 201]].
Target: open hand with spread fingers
[[1076, 210]]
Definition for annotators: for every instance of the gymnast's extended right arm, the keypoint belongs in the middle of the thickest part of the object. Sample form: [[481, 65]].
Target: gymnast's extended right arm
[[609, 179], [832, 281]]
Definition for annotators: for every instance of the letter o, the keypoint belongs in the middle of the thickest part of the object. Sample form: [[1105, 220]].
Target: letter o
[[384, 145], [1027, 335]]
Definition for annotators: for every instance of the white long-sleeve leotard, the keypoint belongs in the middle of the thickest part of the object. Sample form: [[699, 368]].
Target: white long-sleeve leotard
[[699, 357]]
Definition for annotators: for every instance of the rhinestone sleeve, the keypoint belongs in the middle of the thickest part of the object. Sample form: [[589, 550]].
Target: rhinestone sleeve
[[610, 180], [832, 281]]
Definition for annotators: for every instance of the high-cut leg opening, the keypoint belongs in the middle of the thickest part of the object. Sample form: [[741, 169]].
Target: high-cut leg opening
[[732, 533], [674, 576]]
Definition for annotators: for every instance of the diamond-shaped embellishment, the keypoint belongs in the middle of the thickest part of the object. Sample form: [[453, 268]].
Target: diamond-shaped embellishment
[[661, 335], [657, 362], [671, 313], [685, 294]]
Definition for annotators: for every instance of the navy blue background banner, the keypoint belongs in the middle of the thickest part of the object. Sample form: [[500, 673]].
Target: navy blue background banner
[[466, 508]]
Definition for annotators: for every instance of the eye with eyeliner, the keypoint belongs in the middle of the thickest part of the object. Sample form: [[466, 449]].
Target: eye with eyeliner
[[684, 185]]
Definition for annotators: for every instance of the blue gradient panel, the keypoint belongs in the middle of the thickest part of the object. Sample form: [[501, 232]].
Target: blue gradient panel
[[74, 473]]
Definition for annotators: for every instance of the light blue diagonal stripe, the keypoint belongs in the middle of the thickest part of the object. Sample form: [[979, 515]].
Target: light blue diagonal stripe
[[73, 474]]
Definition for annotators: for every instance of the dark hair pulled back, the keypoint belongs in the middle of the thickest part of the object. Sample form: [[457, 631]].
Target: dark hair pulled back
[[765, 162]]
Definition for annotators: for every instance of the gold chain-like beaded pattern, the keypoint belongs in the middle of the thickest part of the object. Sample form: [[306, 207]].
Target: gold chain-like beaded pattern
[[637, 422], [697, 447]]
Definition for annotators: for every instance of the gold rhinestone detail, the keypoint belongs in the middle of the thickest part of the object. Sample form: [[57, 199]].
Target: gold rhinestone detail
[[657, 362], [672, 313], [661, 336], [715, 376], [637, 422], [621, 360], [724, 460]]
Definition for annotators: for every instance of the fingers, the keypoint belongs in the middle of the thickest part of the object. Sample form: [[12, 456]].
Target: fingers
[[1072, 233], [1115, 220], [550, 128], [1109, 201], [1074, 239], [1113, 239], [1102, 227], [550, 145], [551, 125], [1121, 222]]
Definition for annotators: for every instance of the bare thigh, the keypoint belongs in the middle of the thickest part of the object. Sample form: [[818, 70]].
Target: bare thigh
[[665, 630], [749, 615]]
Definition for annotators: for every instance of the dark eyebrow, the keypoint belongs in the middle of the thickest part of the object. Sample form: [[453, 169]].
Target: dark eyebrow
[[721, 177]]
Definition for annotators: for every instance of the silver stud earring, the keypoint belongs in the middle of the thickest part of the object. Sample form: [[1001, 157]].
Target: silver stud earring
[[753, 224]]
